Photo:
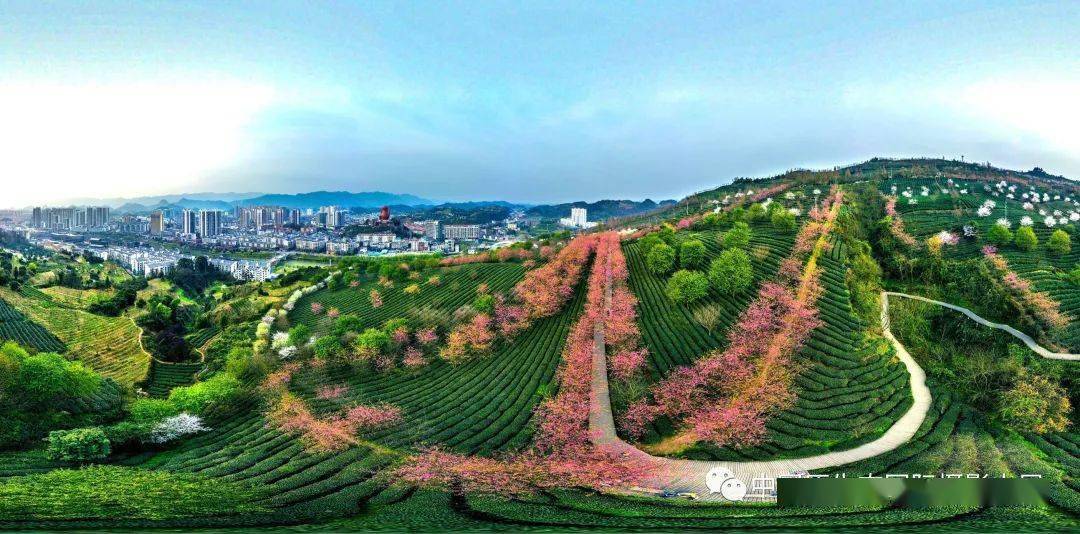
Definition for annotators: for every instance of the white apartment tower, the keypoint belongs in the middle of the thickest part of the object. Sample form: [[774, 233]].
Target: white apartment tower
[[578, 216], [209, 223], [190, 222]]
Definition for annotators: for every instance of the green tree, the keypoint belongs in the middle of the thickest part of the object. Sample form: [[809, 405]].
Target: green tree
[[371, 343], [327, 347], [11, 358], [1026, 239], [648, 242], [692, 254], [1060, 243], [197, 398], [82, 445], [144, 411], [731, 272], [783, 220], [738, 236], [300, 334], [484, 303], [756, 212], [685, 287], [47, 377], [999, 235], [661, 259]]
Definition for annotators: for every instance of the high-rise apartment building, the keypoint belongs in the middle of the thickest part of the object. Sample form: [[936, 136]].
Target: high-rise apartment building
[[97, 216], [432, 229], [190, 222], [335, 217], [157, 222], [461, 231], [209, 223]]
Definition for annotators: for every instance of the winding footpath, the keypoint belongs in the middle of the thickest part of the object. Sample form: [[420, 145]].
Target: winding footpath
[[678, 475], [1031, 344]]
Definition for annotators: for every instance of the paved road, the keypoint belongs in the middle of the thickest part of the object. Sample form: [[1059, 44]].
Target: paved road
[[689, 475]]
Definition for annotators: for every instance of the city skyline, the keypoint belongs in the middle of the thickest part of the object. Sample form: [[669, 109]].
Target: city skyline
[[525, 102]]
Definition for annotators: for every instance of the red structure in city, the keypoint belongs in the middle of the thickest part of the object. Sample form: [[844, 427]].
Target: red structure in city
[[384, 213]]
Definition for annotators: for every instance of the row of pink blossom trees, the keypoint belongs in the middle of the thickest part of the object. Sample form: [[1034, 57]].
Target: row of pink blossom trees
[[727, 396], [542, 293], [896, 225], [562, 454], [338, 431], [621, 332], [500, 255], [1042, 306]]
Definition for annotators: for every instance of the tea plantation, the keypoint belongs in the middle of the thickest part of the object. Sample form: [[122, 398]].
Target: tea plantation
[[317, 399]]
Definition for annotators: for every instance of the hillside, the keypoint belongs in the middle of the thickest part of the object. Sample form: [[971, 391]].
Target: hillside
[[599, 210], [588, 383]]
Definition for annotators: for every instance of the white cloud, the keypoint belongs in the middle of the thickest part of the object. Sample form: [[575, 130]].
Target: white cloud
[[104, 140]]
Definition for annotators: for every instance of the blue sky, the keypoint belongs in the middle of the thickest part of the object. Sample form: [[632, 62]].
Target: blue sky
[[532, 101]]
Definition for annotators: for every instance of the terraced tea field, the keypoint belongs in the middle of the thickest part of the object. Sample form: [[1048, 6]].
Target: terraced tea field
[[109, 345], [21, 329], [850, 390], [481, 407], [1045, 270], [670, 331], [75, 298], [164, 376], [456, 287]]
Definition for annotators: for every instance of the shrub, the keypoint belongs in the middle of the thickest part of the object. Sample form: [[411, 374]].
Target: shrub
[[783, 220], [661, 259], [692, 254], [1059, 243], [484, 303], [1026, 239], [327, 347], [737, 237], [198, 397], [1000, 235], [731, 272], [1035, 404], [127, 435], [686, 287], [151, 410], [82, 445], [1074, 276]]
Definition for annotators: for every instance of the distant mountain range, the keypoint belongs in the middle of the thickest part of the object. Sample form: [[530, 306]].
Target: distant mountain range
[[599, 210]]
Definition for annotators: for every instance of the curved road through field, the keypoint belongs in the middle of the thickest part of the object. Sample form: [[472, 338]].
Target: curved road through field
[[689, 475]]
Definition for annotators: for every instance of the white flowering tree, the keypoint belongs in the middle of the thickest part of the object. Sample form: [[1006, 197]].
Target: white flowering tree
[[176, 427]]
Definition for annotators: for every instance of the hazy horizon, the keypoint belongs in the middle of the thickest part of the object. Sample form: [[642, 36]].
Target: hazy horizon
[[525, 102]]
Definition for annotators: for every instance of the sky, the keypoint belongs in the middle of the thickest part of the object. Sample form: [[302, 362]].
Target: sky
[[522, 101]]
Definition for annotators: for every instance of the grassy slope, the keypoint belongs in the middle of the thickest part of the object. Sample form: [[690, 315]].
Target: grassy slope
[[110, 345]]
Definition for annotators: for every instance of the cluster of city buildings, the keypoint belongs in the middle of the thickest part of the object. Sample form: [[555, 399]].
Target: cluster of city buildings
[[151, 262], [82, 218], [269, 228]]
